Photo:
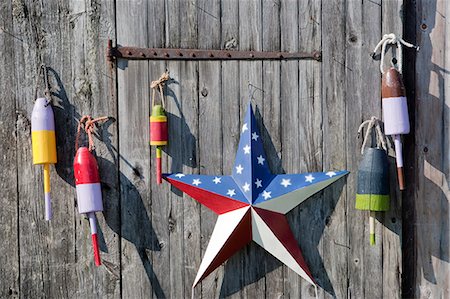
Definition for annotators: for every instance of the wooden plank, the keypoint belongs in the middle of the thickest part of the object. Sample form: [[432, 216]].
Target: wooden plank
[[91, 75], [270, 127], [139, 240], [48, 261], [391, 257], [363, 33], [310, 144], [409, 249], [210, 125], [184, 245], [431, 190], [290, 131], [230, 86], [9, 221], [250, 38], [335, 239], [186, 100]]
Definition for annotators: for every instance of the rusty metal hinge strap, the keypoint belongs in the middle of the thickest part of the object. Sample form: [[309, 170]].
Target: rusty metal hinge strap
[[134, 53]]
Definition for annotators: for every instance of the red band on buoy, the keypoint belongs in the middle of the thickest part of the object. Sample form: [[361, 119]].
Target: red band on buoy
[[85, 167], [158, 131]]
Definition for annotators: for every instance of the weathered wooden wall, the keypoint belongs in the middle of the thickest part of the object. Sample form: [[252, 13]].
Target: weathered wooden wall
[[153, 237]]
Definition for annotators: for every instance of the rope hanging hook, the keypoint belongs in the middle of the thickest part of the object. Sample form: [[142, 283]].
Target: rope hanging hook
[[392, 39], [88, 123], [159, 84], [372, 123]]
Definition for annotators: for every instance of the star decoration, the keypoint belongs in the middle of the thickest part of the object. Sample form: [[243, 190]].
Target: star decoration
[[244, 128], [285, 182], [258, 183], [252, 212], [239, 169], [231, 192], [309, 178], [246, 149], [261, 160], [266, 195], [330, 174], [217, 180]]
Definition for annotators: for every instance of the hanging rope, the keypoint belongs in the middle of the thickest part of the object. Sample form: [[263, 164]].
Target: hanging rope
[[391, 39], [88, 123], [372, 123], [159, 84], [44, 71]]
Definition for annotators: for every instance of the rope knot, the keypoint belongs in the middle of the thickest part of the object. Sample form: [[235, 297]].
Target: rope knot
[[372, 123], [392, 39], [88, 123], [159, 84]]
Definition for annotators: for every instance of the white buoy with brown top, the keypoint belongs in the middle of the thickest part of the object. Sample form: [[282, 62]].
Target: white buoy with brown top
[[394, 103], [395, 115]]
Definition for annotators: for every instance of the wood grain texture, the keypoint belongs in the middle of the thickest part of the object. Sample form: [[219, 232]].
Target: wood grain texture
[[210, 129], [250, 20], [431, 130], [231, 124], [290, 129], [391, 222], [335, 237], [152, 236], [9, 221], [364, 260]]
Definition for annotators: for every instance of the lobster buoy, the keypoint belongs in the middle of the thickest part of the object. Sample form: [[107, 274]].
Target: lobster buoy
[[43, 141], [395, 115], [158, 136], [372, 192], [89, 194]]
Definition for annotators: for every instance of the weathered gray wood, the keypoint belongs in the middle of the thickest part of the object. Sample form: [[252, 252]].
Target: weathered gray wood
[[310, 149], [210, 128], [152, 236], [432, 188], [230, 115], [335, 238], [53, 274], [365, 261], [290, 129], [391, 257], [250, 20], [139, 241], [188, 111], [9, 221], [184, 245], [270, 127], [92, 79]]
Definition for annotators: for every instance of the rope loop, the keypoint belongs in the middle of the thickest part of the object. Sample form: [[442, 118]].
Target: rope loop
[[88, 122], [373, 123], [159, 84], [391, 39]]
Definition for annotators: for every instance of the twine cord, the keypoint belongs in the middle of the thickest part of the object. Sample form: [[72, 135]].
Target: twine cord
[[391, 39], [88, 128], [373, 124], [159, 84]]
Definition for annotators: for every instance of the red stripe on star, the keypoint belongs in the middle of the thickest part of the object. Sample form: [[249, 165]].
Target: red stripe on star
[[241, 236], [279, 225], [217, 203]]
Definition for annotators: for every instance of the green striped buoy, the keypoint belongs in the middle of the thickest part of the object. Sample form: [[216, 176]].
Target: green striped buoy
[[372, 192]]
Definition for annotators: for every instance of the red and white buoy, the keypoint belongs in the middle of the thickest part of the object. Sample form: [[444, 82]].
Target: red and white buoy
[[89, 193], [87, 181]]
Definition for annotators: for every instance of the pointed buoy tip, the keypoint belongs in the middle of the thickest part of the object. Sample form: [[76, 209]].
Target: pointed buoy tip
[[392, 84]]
